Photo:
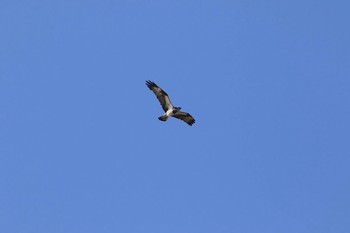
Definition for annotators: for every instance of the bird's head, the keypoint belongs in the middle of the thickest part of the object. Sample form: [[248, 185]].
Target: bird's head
[[176, 109]]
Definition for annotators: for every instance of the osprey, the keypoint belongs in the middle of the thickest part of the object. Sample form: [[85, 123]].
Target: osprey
[[169, 109]]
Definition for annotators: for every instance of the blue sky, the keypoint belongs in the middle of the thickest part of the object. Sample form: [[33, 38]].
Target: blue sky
[[82, 150]]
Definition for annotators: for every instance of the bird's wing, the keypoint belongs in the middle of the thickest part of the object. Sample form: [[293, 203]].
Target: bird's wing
[[186, 117], [161, 95]]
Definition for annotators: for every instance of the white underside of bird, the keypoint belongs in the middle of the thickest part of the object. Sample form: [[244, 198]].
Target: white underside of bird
[[170, 112], [167, 114]]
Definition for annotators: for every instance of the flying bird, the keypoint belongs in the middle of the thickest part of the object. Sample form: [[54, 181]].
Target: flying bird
[[169, 109]]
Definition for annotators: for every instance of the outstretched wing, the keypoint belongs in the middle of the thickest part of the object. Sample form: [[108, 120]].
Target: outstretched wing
[[186, 117], [161, 95]]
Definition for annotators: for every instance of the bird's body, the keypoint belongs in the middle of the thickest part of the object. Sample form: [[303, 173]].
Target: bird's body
[[169, 109], [171, 112]]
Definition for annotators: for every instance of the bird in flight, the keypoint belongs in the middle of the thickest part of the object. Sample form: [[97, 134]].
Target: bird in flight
[[169, 109]]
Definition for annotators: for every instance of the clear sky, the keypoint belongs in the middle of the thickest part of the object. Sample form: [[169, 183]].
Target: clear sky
[[82, 150]]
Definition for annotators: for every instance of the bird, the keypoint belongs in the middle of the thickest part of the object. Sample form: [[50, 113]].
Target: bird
[[169, 109]]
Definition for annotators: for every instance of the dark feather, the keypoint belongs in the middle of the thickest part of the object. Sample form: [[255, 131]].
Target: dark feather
[[186, 117], [161, 95]]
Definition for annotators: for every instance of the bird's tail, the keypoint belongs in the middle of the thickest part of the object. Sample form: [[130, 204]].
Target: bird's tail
[[163, 118]]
